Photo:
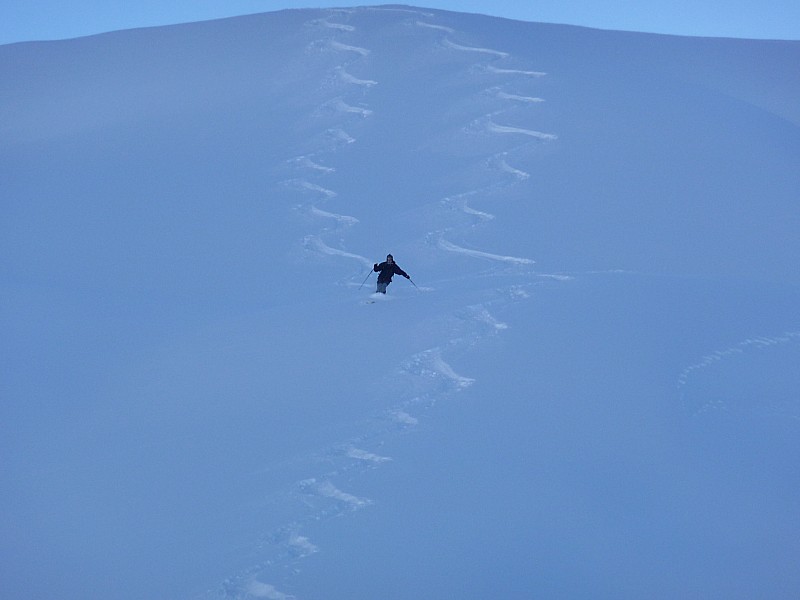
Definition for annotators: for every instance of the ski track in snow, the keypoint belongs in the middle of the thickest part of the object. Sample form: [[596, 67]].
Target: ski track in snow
[[351, 79], [339, 136], [400, 10], [495, 128], [432, 26], [368, 456], [518, 98], [308, 163], [341, 219], [740, 348], [450, 44], [450, 247], [503, 165], [709, 361], [431, 374], [315, 243], [326, 489], [488, 126], [348, 48], [460, 202], [430, 363], [257, 589], [431, 378], [493, 69], [307, 186], [339, 106]]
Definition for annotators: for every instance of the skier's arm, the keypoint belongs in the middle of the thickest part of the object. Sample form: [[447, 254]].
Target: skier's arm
[[399, 271], [376, 267]]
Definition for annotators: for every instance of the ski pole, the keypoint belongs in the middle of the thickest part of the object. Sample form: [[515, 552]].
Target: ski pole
[[365, 280], [412, 283]]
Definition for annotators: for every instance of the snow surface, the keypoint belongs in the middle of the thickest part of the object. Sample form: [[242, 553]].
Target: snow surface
[[593, 392]]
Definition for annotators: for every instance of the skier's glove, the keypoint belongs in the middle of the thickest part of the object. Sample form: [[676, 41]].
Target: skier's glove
[[407, 277]]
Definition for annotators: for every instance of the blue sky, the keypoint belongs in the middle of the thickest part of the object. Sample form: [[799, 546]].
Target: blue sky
[[775, 19]]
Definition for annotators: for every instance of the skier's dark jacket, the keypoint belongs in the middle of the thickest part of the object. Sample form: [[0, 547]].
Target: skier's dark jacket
[[387, 271]]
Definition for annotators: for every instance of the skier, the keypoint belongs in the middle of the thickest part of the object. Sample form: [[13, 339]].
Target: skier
[[387, 270]]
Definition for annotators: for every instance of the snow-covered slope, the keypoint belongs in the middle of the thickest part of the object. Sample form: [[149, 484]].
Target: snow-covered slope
[[592, 393]]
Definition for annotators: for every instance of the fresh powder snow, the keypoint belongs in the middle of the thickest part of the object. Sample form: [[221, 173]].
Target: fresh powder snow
[[592, 391]]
